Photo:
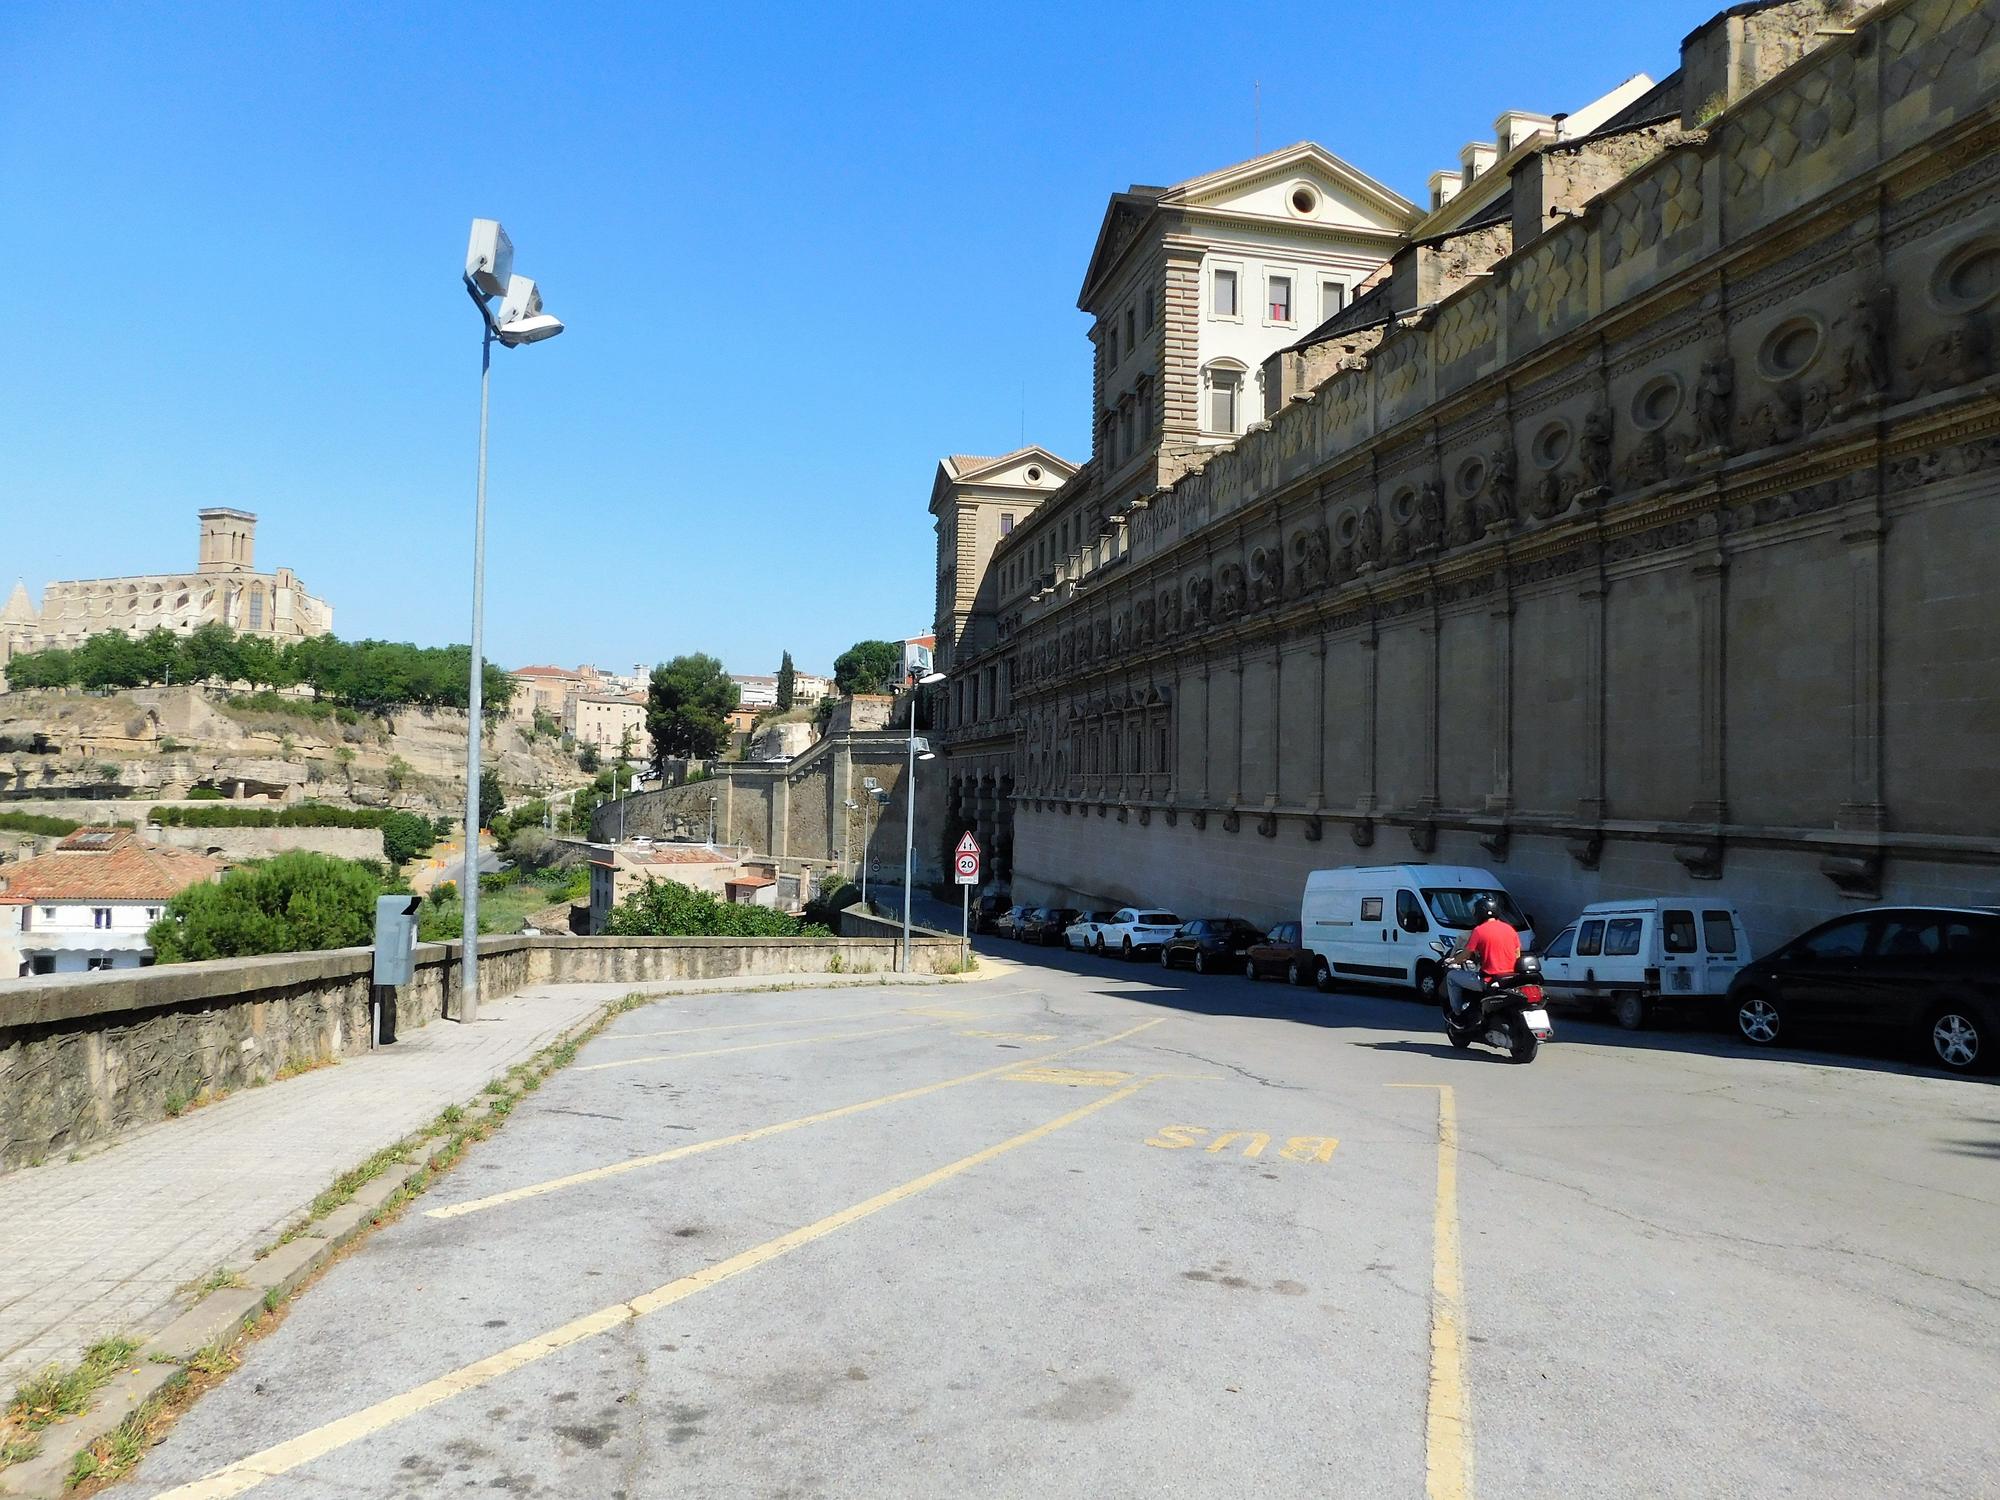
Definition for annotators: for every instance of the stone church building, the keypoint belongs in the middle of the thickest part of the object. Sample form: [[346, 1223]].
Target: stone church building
[[224, 588], [1625, 523]]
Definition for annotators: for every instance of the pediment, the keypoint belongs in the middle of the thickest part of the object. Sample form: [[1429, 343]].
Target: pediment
[[1270, 187]]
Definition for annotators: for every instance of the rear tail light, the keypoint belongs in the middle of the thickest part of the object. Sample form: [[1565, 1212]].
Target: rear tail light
[[1532, 993]]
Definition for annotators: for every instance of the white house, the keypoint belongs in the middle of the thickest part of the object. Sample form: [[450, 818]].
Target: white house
[[87, 903]]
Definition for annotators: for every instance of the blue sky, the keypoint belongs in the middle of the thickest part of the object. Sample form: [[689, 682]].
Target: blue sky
[[802, 252]]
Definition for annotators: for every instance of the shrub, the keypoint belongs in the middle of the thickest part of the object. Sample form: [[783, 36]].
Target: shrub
[[201, 794], [14, 822], [666, 908], [297, 902]]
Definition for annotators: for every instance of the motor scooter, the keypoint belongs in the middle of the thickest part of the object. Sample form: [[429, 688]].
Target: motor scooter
[[1506, 1012]]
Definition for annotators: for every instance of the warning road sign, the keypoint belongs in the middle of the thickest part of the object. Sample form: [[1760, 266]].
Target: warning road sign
[[965, 860]]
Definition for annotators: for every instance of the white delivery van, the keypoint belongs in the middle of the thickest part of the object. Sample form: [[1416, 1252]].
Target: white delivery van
[[1631, 956], [1374, 924]]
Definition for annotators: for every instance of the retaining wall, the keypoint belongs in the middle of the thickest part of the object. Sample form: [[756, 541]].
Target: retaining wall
[[83, 1057]]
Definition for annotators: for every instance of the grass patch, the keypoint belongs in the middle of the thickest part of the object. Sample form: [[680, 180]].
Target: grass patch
[[295, 1066], [19, 1450], [113, 1456], [56, 1393], [214, 1281], [350, 1182]]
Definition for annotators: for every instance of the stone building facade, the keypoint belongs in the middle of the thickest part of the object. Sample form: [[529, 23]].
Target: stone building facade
[[225, 589], [1638, 532]]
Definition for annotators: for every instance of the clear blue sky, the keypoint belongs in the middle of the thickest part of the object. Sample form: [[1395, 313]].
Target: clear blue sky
[[802, 252]]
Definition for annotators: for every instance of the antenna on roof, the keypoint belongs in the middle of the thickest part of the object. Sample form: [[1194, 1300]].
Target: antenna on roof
[[1257, 118]]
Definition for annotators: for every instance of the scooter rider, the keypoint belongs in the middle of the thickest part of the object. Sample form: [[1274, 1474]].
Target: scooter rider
[[1493, 944]]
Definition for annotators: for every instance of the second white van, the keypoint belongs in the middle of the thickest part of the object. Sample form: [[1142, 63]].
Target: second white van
[[1630, 957], [1375, 923]]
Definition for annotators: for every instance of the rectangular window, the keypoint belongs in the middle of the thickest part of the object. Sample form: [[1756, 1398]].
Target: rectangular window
[[1590, 940], [100, 916], [1621, 937], [1332, 298], [1131, 340], [1224, 392], [1131, 436], [1152, 310], [1677, 931], [1111, 349], [1225, 294], [1006, 528], [1718, 932], [1371, 908], [1281, 299]]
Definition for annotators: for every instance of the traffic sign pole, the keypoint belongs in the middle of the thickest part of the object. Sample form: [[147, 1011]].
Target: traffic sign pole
[[965, 928], [965, 870]]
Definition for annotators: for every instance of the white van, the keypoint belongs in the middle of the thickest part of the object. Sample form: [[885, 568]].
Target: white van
[[1376, 923], [1630, 956]]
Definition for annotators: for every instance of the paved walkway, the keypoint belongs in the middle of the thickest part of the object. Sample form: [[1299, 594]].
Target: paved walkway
[[100, 1246]]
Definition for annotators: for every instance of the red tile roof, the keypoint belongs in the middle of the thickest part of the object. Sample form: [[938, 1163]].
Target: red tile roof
[[750, 881], [104, 864]]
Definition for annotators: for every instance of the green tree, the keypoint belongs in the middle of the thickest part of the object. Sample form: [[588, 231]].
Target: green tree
[[788, 682], [491, 798], [868, 667], [686, 703], [665, 908], [587, 758], [298, 902], [209, 655]]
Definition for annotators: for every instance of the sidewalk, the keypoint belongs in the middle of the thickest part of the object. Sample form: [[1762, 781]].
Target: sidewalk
[[99, 1246]]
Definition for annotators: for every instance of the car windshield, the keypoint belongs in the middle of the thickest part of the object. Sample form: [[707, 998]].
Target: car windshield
[[1157, 919], [1453, 907]]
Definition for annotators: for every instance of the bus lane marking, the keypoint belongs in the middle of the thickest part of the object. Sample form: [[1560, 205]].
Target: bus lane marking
[[657, 1158], [247, 1473], [1298, 1148]]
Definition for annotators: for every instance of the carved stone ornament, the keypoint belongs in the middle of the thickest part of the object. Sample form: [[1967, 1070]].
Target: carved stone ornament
[[1495, 503], [1549, 501], [1423, 837], [1267, 825], [1703, 861], [1586, 849], [1315, 829], [1231, 821], [1199, 817], [1368, 536], [1495, 842], [1123, 811], [1857, 876], [1362, 831], [1593, 447], [1102, 648], [1312, 556], [1145, 813], [1119, 630], [1427, 515], [1715, 403], [1647, 462], [1460, 523], [1864, 366], [1267, 575], [1229, 593], [1956, 357], [1142, 623], [1173, 816], [1201, 599]]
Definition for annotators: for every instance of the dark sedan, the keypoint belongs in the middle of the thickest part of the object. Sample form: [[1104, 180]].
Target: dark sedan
[[1013, 922], [1209, 944], [987, 912], [1896, 977], [1045, 924], [1278, 953]]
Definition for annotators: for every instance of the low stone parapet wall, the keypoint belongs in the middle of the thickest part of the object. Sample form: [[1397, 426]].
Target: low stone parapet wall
[[83, 1057], [238, 844]]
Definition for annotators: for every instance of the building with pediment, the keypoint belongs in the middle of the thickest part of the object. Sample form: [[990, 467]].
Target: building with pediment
[[1628, 532]]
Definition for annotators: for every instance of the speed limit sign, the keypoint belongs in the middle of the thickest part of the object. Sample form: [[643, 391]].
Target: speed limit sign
[[965, 860]]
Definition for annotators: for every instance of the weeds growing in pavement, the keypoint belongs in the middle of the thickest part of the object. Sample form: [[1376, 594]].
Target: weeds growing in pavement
[[19, 1450], [56, 1393], [214, 1281]]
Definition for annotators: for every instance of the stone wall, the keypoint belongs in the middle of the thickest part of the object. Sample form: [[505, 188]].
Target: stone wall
[[1660, 559], [237, 844], [82, 1058]]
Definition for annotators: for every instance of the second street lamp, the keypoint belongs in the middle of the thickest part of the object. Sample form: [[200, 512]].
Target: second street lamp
[[489, 273]]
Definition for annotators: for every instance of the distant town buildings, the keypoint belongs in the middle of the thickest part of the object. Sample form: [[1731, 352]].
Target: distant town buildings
[[87, 903], [610, 724], [757, 691], [224, 589]]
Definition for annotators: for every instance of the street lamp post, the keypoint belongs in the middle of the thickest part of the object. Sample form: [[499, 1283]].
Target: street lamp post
[[489, 273], [920, 749]]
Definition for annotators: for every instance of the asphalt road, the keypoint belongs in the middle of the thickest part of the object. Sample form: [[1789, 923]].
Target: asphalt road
[[1091, 1230]]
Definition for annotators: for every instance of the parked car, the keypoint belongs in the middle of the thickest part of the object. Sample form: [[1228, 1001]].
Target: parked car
[[987, 912], [1135, 931], [1209, 944], [1083, 932], [1045, 924], [1279, 952], [1894, 975], [1375, 923], [1011, 922], [1633, 957]]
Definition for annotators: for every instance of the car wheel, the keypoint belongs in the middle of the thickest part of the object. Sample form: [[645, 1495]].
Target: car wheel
[[1250, 970], [1629, 1011], [1757, 1019], [1200, 963], [1958, 1039], [1125, 951], [1322, 976], [1293, 975], [1097, 944], [1430, 984], [1166, 959]]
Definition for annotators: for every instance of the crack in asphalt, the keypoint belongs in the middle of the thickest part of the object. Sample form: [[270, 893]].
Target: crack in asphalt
[[1240, 1072]]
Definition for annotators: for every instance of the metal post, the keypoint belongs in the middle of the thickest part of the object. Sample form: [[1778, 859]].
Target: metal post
[[864, 853], [965, 927], [468, 890], [909, 830]]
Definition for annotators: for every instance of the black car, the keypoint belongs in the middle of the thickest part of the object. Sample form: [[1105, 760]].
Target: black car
[[1208, 944], [1899, 976], [987, 912], [1045, 924], [1012, 922]]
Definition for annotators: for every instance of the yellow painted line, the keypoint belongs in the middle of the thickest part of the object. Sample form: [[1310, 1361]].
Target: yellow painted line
[[1448, 1419], [790, 1041], [247, 1473], [633, 1164], [1075, 1078]]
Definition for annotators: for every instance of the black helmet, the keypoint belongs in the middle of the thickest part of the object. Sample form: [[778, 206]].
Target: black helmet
[[1484, 908]]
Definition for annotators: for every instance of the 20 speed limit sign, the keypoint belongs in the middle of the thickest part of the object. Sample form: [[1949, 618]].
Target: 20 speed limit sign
[[965, 861]]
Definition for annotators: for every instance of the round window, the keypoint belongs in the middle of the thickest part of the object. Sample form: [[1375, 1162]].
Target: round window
[[1304, 200], [1402, 505], [1471, 475], [1656, 402], [1789, 348], [1551, 445], [1968, 278], [1034, 475], [1347, 527]]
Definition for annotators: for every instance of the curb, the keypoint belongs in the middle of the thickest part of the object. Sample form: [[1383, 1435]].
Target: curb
[[222, 1315]]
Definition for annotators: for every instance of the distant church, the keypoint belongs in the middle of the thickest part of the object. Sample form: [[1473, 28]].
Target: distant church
[[224, 588]]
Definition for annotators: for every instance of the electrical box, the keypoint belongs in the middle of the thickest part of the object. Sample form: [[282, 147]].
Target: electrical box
[[396, 939]]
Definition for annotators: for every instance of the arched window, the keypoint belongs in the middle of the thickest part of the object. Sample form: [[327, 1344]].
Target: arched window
[[256, 607], [1222, 386]]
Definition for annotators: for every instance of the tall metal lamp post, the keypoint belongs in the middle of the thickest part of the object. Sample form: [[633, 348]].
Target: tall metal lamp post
[[920, 749], [489, 273]]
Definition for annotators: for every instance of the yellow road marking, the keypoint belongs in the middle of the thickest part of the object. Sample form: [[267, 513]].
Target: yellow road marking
[[282, 1458], [1012, 1036], [596, 1174], [1075, 1078], [1448, 1421], [793, 1041]]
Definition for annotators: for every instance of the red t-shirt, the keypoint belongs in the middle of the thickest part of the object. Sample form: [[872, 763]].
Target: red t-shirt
[[1496, 946]]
